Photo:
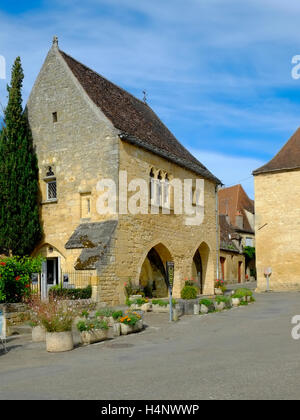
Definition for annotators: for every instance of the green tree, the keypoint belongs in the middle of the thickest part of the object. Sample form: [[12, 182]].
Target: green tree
[[20, 228]]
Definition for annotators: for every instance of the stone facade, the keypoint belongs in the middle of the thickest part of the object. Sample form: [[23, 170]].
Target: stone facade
[[277, 209], [79, 145]]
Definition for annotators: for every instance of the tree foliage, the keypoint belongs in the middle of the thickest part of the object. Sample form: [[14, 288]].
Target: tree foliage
[[20, 228]]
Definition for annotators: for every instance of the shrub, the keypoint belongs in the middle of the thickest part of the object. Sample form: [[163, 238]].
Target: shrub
[[224, 299], [139, 301], [15, 277], [117, 314], [163, 302], [206, 302], [104, 312], [130, 319], [92, 324], [189, 292], [74, 294], [53, 315], [245, 292]]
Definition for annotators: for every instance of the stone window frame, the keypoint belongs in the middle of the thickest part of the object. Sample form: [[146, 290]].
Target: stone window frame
[[159, 188], [50, 179]]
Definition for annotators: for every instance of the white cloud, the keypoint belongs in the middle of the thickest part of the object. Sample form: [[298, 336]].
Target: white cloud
[[231, 170]]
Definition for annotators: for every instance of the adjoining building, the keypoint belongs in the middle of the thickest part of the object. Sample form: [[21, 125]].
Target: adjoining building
[[236, 218], [86, 129], [277, 227]]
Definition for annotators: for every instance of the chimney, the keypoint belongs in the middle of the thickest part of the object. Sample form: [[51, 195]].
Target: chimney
[[239, 220]]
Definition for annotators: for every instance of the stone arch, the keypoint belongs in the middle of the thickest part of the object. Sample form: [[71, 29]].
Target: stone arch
[[203, 268], [44, 250], [152, 275]]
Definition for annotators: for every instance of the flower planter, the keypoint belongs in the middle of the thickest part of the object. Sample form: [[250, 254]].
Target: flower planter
[[38, 334], [204, 309], [59, 341], [159, 308], [219, 306], [114, 330], [235, 302], [129, 329], [218, 291], [146, 307], [93, 336]]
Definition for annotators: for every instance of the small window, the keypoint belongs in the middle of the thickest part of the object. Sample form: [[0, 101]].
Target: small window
[[54, 116], [51, 190], [249, 242]]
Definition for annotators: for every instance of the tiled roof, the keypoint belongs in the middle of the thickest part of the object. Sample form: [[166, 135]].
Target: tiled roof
[[233, 201], [94, 239], [137, 123], [227, 234], [286, 159]]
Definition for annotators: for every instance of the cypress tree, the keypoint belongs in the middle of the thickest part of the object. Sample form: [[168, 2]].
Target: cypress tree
[[20, 228]]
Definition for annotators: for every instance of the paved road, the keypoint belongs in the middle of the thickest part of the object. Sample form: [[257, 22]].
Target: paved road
[[244, 353]]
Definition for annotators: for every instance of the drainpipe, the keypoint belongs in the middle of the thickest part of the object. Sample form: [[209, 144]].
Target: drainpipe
[[217, 229]]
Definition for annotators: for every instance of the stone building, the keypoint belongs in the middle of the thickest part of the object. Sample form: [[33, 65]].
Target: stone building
[[87, 129], [277, 227], [236, 218]]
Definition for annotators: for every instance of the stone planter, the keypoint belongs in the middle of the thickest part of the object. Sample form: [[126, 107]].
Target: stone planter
[[248, 299], [159, 308], [196, 309], [114, 331], [204, 309], [235, 302], [94, 336], [146, 307], [129, 329], [38, 334], [59, 341], [219, 306], [218, 291]]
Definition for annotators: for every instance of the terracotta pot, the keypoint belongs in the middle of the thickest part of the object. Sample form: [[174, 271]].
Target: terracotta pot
[[94, 336], [59, 341]]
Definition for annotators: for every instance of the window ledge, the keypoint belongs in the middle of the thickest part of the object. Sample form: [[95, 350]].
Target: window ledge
[[49, 201]]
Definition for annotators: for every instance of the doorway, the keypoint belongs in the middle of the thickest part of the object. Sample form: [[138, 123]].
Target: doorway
[[50, 275]]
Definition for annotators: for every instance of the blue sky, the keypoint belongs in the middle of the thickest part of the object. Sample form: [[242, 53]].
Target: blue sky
[[217, 72]]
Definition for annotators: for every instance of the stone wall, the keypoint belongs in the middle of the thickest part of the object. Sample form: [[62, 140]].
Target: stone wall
[[277, 229], [83, 147], [232, 260]]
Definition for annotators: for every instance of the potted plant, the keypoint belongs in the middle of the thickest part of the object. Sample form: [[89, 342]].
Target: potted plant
[[236, 300], [206, 305], [159, 305], [130, 323], [219, 287], [57, 319], [38, 333], [139, 303], [92, 330], [221, 302]]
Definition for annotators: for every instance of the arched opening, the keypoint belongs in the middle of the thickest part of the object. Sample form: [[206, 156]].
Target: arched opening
[[153, 272], [200, 266], [197, 270]]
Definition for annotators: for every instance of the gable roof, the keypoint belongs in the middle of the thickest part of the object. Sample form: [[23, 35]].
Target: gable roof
[[136, 121], [286, 159], [227, 234], [234, 201]]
